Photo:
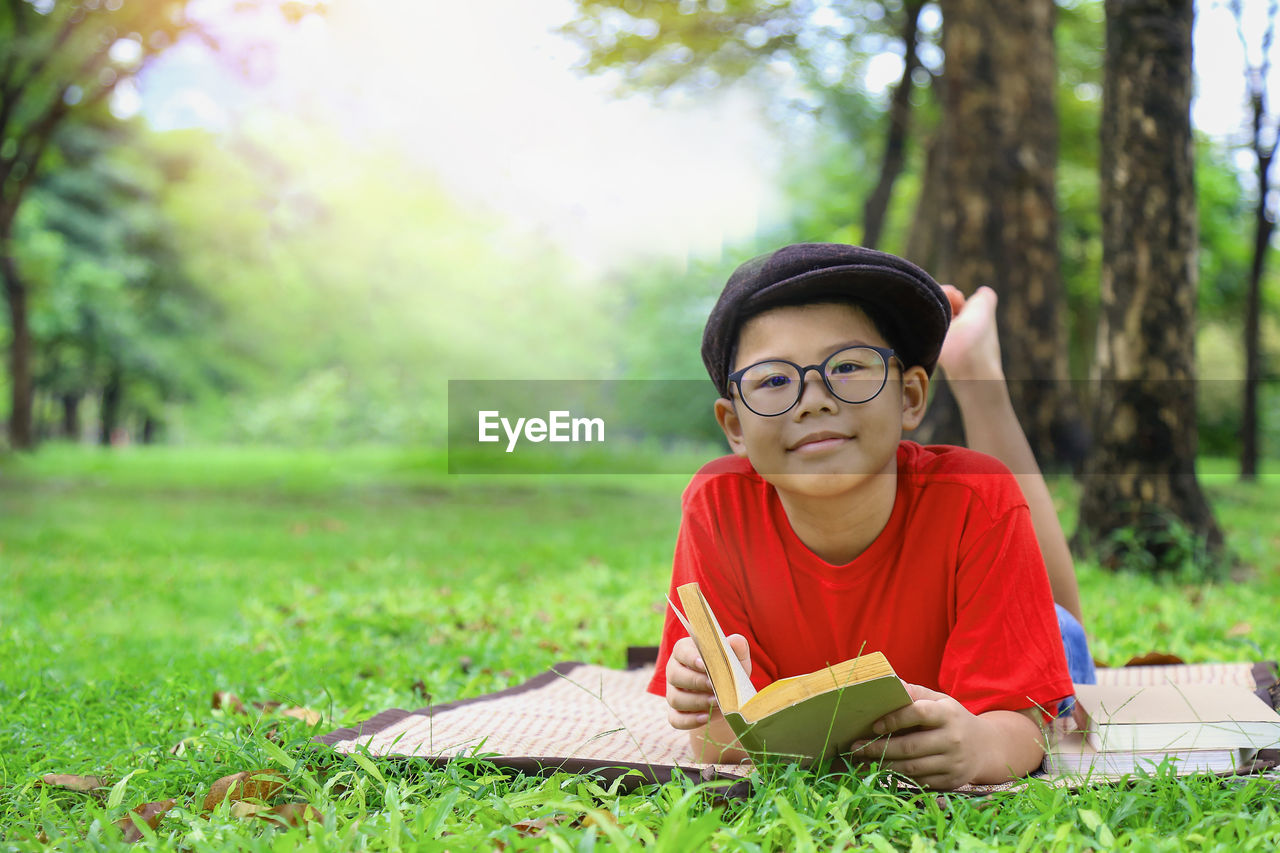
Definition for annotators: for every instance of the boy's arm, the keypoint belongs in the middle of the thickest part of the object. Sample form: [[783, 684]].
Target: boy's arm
[[937, 742], [715, 743]]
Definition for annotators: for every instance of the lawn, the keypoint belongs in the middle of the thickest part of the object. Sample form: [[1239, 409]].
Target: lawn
[[135, 583]]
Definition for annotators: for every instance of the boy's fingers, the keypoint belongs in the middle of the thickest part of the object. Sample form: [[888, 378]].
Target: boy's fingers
[[900, 747], [683, 678], [688, 701], [903, 718], [686, 653], [680, 720]]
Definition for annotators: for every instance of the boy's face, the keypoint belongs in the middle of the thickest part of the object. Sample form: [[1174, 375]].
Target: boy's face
[[822, 446]]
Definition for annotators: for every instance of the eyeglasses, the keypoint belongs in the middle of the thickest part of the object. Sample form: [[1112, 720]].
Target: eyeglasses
[[853, 375]]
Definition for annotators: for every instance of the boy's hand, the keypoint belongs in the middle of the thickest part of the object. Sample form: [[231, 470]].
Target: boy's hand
[[689, 695], [937, 742]]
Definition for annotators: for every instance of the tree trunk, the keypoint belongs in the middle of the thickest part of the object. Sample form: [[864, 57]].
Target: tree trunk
[[924, 239], [21, 436], [1141, 474], [150, 429], [895, 143], [71, 416], [1263, 225], [999, 216], [1252, 337], [112, 393]]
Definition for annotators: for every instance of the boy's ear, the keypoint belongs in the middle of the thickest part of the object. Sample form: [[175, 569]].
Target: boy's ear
[[915, 396], [727, 417]]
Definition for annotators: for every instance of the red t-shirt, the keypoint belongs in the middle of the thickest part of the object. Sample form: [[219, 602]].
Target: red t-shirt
[[953, 591]]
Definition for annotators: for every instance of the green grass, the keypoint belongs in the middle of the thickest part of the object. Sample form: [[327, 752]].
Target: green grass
[[135, 583]]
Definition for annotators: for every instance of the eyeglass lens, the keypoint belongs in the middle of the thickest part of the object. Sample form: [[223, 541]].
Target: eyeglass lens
[[853, 375]]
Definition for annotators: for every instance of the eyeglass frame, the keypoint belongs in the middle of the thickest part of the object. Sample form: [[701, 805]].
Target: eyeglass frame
[[885, 353]]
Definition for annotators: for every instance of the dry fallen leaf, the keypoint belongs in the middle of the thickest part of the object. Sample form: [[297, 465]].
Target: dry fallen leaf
[[249, 785], [539, 826], [70, 782], [1240, 629], [148, 813], [307, 715], [243, 810], [228, 701], [599, 818], [1154, 659]]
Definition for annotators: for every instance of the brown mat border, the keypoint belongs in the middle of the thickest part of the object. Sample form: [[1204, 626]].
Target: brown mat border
[[390, 717]]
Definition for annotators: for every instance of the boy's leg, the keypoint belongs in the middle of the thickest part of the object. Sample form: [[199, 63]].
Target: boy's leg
[[1076, 645], [971, 360]]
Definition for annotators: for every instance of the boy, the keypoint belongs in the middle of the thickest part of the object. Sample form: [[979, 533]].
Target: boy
[[825, 535]]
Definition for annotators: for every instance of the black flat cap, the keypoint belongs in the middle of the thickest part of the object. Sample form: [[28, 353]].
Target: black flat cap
[[905, 302]]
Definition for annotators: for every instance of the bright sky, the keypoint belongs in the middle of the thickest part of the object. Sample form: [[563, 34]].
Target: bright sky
[[484, 94]]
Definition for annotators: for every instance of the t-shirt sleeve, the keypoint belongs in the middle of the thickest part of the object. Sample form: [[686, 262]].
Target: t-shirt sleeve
[[1005, 650], [701, 557]]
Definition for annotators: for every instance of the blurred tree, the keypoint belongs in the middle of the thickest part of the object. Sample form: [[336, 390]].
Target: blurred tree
[[61, 60], [351, 287], [113, 313], [1263, 136], [1141, 492], [810, 55]]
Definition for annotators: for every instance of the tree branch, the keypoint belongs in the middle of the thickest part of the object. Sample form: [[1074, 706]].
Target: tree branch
[[877, 203]]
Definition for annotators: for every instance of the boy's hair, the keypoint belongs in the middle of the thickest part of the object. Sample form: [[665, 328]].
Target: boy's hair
[[902, 301]]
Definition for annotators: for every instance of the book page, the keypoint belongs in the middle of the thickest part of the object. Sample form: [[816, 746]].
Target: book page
[[742, 682]]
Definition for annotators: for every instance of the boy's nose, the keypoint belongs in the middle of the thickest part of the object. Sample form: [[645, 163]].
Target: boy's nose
[[814, 394]]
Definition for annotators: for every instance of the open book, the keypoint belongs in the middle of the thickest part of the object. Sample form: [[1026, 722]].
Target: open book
[[803, 717]]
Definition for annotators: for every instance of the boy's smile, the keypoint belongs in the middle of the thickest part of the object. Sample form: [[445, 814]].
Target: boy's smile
[[819, 442], [822, 446]]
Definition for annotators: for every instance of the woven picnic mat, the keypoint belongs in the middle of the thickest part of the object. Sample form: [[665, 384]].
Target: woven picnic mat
[[583, 718]]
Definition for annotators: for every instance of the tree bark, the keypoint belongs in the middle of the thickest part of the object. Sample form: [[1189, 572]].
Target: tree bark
[[895, 143], [1141, 473], [999, 215], [71, 416], [923, 240], [1263, 226], [21, 436], [112, 394]]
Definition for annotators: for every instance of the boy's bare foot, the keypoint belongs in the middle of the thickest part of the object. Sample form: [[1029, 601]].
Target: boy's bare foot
[[972, 347]]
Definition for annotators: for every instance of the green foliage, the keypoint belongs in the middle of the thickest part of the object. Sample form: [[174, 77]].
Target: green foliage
[[110, 296], [350, 295], [656, 45], [138, 581]]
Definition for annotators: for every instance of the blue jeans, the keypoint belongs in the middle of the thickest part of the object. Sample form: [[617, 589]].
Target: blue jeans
[[1079, 661]]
